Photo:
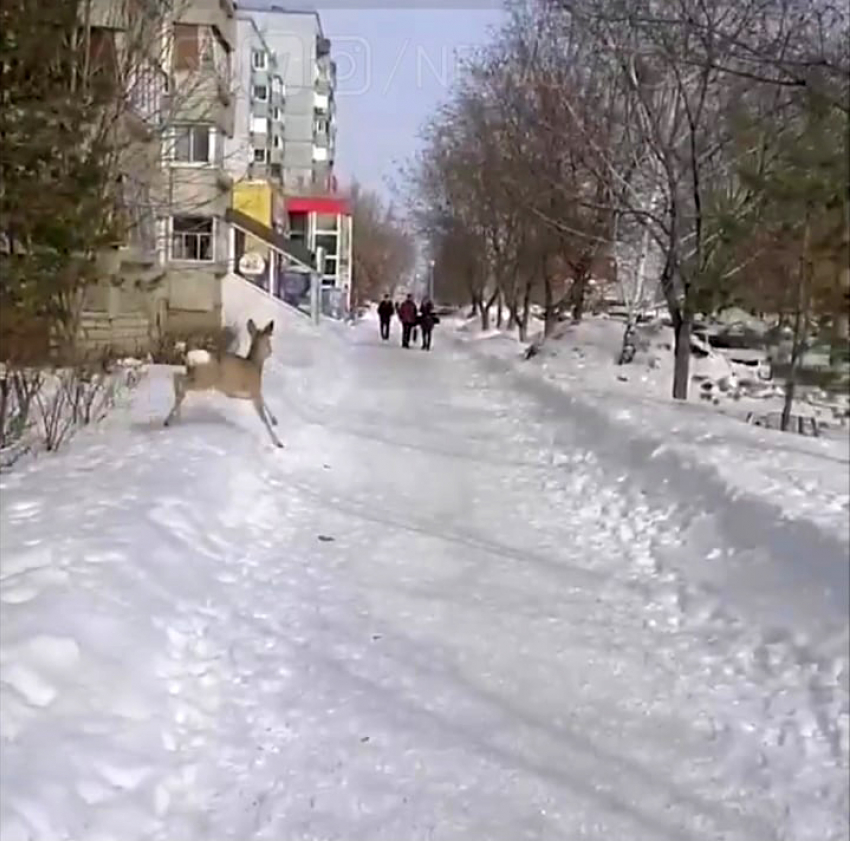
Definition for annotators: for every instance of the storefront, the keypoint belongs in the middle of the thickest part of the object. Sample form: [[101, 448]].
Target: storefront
[[324, 223]]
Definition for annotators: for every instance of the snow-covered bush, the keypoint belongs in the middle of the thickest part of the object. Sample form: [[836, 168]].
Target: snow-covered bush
[[41, 409]]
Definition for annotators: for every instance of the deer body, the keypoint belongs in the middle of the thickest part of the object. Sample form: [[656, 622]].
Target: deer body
[[237, 377]]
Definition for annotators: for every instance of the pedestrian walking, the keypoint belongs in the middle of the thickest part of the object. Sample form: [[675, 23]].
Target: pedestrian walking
[[386, 310], [427, 320], [408, 315]]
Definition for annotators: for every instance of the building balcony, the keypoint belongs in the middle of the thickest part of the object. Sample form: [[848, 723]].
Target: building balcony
[[220, 14], [323, 46], [324, 84], [203, 98], [205, 190], [320, 154]]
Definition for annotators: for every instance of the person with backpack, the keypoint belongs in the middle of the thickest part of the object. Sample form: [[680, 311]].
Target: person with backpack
[[427, 320]]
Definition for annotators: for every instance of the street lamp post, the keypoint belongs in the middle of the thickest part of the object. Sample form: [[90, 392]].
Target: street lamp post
[[430, 280]]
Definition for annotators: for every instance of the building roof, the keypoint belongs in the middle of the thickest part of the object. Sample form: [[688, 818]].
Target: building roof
[[276, 8]]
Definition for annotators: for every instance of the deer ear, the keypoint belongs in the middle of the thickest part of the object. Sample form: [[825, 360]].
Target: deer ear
[[252, 328], [269, 328]]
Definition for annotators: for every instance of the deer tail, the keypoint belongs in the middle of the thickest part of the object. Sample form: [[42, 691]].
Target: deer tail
[[197, 357]]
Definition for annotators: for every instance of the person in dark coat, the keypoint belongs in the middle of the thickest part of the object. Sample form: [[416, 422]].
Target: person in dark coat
[[408, 315], [386, 311], [427, 320]]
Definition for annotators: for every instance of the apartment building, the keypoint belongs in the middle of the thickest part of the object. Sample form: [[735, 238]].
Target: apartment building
[[173, 190], [304, 62], [257, 148], [197, 181], [273, 42]]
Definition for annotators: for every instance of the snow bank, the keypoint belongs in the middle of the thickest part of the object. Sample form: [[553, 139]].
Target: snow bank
[[806, 478]]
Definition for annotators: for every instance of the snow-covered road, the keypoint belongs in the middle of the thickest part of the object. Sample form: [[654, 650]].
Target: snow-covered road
[[440, 613]]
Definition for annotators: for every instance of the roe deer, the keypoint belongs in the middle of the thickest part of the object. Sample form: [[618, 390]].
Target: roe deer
[[236, 376]]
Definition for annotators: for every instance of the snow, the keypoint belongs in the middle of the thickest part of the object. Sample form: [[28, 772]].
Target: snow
[[451, 608], [807, 478]]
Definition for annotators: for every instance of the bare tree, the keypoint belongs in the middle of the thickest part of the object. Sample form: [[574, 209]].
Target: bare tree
[[383, 250], [596, 131]]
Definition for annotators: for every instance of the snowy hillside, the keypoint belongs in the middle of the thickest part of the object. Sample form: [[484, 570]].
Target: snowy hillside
[[458, 605]]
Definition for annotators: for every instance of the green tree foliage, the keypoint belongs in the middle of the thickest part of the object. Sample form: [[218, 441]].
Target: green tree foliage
[[57, 173]]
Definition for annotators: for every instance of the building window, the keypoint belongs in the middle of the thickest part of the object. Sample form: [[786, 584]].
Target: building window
[[261, 156], [328, 242], [192, 238], [103, 62], [277, 142], [261, 93], [321, 126], [258, 60], [259, 125], [192, 144], [298, 226], [215, 53], [277, 114], [187, 46], [326, 222]]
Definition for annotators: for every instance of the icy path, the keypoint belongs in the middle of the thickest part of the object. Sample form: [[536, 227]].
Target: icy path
[[433, 616]]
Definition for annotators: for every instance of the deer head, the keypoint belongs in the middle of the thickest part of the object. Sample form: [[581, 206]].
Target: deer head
[[261, 342]]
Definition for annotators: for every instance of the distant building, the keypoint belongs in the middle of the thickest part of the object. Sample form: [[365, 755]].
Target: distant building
[[303, 55], [313, 217]]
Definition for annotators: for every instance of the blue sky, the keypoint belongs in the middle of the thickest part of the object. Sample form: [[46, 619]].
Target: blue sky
[[394, 67]]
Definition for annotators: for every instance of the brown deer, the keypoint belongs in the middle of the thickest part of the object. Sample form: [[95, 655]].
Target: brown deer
[[240, 377]]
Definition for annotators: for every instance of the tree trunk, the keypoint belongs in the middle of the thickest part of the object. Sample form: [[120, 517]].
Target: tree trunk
[[578, 295], [682, 320], [682, 317], [840, 328], [801, 322], [791, 378], [486, 306], [499, 311], [513, 316], [627, 351], [549, 319], [526, 313]]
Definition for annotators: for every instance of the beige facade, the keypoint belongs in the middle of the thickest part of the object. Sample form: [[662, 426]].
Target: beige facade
[[175, 188], [199, 186]]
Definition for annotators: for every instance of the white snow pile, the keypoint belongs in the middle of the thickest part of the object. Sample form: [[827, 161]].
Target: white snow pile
[[806, 477]]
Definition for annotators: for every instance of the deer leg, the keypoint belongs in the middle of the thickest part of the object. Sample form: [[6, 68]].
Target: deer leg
[[180, 381], [271, 417], [259, 406]]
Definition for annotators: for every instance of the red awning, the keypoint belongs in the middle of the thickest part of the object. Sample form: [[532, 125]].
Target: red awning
[[317, 204]]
